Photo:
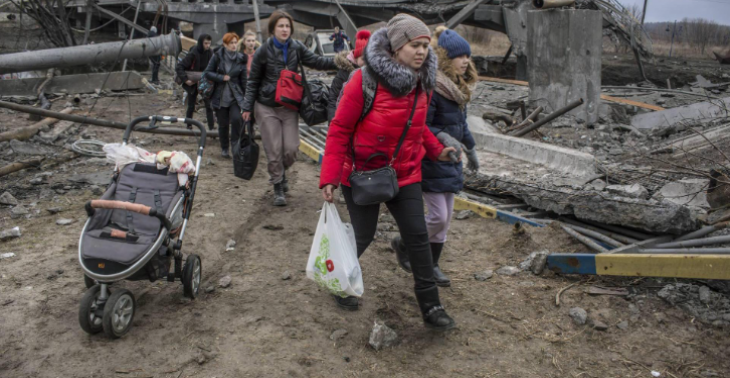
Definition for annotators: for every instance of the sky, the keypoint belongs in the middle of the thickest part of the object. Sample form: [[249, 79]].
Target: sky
[[670, 10]]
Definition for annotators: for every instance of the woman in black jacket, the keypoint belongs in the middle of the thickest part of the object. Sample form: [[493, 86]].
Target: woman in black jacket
[[228, 70], [196, 61], [279, 125]]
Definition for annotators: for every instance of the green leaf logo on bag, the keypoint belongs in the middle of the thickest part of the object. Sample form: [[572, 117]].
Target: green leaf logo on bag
[[323, 265]]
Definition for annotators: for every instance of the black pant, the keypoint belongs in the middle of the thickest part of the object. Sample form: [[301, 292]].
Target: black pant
[[407, 209], [192, 99], [229, 116], [155, 68]]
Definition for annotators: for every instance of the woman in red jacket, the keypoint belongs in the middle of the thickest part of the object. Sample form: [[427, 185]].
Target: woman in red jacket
[[399, 59]]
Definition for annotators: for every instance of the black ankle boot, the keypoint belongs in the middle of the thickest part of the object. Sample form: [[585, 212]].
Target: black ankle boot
[[437, 318], [441, 279], [401, 253], [348, 303], [434, 315], [285, 183], [225, 154], [279, 199]]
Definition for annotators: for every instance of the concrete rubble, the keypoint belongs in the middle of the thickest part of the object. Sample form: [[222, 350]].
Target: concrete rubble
[[382, 336], [700, 302]]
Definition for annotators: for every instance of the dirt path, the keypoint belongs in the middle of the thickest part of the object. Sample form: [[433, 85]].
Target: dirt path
[[264, 325]]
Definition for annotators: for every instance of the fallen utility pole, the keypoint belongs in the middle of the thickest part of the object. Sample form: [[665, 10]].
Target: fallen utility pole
[[28, 132], [90, 54], [549, 118], [101, 122]]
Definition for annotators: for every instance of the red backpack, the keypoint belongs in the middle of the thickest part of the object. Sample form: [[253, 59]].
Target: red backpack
[[289, 90]]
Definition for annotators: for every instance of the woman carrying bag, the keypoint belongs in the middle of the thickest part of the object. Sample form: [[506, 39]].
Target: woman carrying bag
[[447, 120], [227, 69], [279, 125], [392, 136]]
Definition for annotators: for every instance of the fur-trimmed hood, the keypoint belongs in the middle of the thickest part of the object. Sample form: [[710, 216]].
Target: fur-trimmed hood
[[396, 78], [343, 63]]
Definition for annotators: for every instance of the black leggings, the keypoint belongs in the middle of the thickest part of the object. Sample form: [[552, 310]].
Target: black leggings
[[407, 209], [192, 99], [229, 116]]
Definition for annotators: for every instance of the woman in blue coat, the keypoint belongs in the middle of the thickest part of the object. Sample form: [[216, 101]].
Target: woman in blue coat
[[447, 120]]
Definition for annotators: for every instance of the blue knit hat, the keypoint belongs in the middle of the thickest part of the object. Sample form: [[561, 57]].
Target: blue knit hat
[[454, 44]]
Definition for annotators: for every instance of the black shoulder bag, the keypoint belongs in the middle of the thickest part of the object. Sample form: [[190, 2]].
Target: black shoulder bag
[[378, 185], [313, 108]]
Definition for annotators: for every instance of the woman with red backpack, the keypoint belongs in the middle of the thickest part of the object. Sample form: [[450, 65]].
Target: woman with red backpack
[[391, 124], [279, 125]]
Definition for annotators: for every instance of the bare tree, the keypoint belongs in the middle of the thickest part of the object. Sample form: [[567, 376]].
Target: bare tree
[[52, 17], [701, 33]]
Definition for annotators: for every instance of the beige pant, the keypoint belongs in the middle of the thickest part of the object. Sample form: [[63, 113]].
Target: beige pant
[[280, 137]]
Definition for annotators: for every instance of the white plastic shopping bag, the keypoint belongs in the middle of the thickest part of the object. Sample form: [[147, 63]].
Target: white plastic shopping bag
[[333, 260]]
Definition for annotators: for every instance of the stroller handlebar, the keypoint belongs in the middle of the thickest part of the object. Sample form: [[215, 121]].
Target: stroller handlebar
[[153, 124], [121, 205]]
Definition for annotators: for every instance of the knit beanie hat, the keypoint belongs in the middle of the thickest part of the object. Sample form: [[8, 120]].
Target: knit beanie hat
[[404, 28], [361, 40], [454, 44]]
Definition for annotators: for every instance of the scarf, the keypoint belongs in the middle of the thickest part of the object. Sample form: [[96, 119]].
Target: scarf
[[284, 47], [229, 57], [447, 88]]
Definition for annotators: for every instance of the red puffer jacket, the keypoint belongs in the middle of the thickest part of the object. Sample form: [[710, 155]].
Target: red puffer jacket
[[380, 131]]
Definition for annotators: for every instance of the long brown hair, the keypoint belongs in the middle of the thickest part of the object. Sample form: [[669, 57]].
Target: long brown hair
[[276, 16]]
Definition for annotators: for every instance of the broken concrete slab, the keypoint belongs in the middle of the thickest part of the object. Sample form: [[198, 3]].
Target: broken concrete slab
[[98, 178], [696, 143], [647, 215], [84, 83], [559, 158], [630, 191], [689, 192], [24, 148], [688, 113], [7, 199], [477, 124]]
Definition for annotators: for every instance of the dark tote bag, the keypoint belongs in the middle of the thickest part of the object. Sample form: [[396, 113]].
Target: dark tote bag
[[313, 108], [378, 185], [245, 154]]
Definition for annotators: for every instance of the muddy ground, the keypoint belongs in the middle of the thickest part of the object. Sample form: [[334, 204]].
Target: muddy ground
[[264, 325]]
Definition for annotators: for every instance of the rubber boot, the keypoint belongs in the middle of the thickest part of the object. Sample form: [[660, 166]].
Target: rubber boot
[[285, 183], [441, 279], [401, 253], [434, 314], [279, 199]]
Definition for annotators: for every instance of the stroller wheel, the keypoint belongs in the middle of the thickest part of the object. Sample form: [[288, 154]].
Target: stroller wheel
[[89, 314], [192, 276], [118, 313]]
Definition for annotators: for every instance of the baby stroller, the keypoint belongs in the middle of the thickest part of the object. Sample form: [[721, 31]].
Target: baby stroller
[[129, 236]]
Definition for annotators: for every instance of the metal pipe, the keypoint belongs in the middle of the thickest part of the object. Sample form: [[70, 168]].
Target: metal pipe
[[596, 235], [90, 54], [100, 122], [613, 235], [693, 251], [549, 118], [644, 243], [587, 241], [703, 95], [547, 4], [621, 230], [703, 231], [696, 242]]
